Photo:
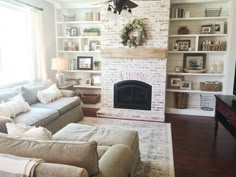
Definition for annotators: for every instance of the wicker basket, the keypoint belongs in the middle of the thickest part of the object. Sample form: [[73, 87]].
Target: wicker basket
[[181, 100], [90, 98], [211, 86]]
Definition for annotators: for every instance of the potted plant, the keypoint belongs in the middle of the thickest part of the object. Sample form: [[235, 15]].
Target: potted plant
[[97, 65], [91, 32]]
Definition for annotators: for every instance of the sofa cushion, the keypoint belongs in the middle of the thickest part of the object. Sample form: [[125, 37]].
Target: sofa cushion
[[8, 93], [30, 91], [62, 104], [37, 117], [70, 153]]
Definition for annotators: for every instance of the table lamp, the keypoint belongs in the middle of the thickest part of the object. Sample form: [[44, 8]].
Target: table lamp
[[59, 64]]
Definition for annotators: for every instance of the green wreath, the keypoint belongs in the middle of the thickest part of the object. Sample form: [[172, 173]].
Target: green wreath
[[133, 40]]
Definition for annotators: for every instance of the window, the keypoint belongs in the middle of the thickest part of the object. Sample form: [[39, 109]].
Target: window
[[16, 64]]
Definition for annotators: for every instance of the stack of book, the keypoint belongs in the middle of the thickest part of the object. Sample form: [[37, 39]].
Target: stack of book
[[92, 16]]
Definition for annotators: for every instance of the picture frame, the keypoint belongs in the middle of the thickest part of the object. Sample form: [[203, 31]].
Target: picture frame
[[219, 28], [174, 82], [67, 31], [207, 29], [186, 85], [96, 80], [183, 45], [97, 47], [194, 61], [84, 63], [93, 44], [175, 47], [86, 82], [73, 31]]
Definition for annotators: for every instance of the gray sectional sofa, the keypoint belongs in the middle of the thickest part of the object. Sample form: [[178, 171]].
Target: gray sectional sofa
[[53, 116]]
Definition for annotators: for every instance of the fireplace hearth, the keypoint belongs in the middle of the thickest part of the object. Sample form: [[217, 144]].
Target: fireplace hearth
[[132, 94]]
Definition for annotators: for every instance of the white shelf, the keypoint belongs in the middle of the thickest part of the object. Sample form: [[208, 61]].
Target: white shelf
[[190, 111], [196, 74], [98, 105], [192, 91], [80, 52], [79, 22], [87, 86], [196, 35], [83, 71], [209, 52], [199, 18], [79, 37]]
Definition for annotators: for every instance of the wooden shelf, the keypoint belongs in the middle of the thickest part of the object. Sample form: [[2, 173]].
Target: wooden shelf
[[196, 74], [190, 111], [83, 71], [87, 86], [79, 37], [79, 22], [80, 52], [196, 35], [199, 18], [193, 91], [209, 52]]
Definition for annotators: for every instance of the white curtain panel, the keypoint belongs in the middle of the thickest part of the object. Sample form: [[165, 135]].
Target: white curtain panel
[[39, 51]]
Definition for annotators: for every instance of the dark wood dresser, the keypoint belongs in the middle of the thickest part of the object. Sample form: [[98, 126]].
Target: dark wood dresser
[[226, 113]]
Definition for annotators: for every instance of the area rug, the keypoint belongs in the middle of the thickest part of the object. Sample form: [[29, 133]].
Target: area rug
[[155, 145]]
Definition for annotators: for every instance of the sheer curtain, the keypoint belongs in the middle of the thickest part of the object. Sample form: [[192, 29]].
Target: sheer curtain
[[38, 45]]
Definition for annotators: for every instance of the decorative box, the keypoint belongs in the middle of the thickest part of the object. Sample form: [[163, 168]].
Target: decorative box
[[90, 98], [214, 86]]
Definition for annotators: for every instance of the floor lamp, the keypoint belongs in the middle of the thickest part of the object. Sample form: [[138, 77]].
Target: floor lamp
[[59, 64]]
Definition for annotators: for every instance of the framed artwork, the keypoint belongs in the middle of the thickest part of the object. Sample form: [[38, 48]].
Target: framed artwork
[[218, 28], [175, 47], [84, 63], [93, 45], [73, 32], [185, 85], [67, 31], [207, 29], [174, 81], [194, 61], [183, 45]]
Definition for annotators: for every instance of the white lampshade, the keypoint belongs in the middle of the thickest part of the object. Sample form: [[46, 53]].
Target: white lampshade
[[59, 64]]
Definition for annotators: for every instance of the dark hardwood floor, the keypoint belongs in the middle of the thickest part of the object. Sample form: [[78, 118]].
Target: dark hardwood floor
[[196, 153]]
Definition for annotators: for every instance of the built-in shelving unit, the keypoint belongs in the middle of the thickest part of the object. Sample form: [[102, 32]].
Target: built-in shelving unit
[[78, 35], [195, 21]]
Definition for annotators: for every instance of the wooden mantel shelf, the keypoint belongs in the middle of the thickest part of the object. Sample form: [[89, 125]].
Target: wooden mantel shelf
[[134, 53]]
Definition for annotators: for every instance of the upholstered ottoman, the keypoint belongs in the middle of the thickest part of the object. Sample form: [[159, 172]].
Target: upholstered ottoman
[[103, 136]]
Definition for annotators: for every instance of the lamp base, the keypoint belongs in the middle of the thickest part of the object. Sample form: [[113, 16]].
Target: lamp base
[[60, 79]]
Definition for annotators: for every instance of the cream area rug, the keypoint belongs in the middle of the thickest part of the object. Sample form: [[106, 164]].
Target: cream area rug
[[155, 143]]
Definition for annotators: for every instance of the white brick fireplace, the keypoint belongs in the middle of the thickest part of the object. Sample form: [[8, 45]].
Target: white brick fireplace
[[155, 16]]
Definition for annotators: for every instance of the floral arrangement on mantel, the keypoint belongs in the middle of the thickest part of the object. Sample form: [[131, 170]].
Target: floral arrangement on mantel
[[133, 33]]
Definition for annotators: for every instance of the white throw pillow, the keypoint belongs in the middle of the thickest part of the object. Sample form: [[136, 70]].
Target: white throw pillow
[[20, 130], [14, 106], [49, 95]]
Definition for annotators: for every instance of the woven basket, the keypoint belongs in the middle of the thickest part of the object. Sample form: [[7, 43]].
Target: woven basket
[[90, 98], [211, 86]]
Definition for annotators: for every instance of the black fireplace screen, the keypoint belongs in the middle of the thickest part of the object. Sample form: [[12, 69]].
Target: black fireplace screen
[[132, 94]]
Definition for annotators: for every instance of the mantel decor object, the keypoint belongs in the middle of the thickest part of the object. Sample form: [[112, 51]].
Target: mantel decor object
[[133, 33], [183, 30]]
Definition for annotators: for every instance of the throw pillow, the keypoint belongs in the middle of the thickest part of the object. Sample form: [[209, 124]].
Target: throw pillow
[[14, 106], [20, 130], [49, 95], [77, 154], [29, 91]]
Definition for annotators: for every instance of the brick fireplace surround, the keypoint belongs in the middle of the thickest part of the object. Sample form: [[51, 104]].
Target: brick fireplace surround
[[155, 16]]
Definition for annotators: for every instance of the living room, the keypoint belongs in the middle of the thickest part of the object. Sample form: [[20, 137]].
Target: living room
[[146, 85]]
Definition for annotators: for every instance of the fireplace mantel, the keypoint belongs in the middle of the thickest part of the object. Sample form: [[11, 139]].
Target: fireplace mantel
[[137, 53]]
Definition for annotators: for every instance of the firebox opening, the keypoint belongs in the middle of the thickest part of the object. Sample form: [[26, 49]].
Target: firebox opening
[[132, 94]]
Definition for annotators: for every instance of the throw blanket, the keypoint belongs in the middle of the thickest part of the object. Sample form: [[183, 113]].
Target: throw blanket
[[14, 166]]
